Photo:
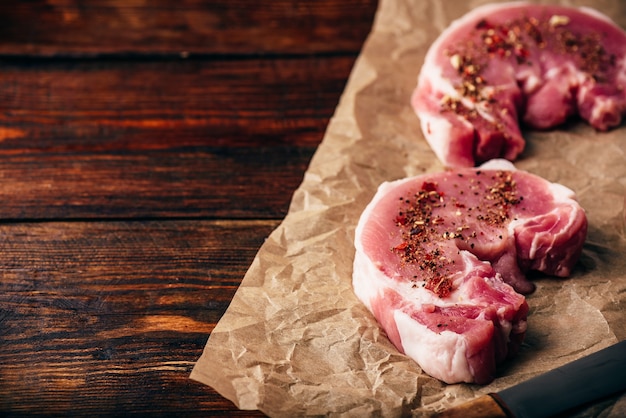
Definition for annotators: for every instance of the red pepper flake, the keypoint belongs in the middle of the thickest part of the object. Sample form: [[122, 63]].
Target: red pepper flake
[[429, 186], [441, 287], [400, 220], [401, 247]]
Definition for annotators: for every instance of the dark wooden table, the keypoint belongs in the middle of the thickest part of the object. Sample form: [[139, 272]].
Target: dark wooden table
[[147, 148]]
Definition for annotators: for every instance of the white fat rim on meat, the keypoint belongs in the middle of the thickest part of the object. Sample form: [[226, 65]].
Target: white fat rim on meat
[[498, 164], [448, 362], [434, 123], [441, 355]]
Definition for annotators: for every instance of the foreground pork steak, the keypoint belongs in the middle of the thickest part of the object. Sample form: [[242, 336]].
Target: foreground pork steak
[[441, 260]]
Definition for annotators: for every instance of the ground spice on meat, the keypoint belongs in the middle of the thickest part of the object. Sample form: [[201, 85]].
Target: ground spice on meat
[[515, 39], [421, 220]]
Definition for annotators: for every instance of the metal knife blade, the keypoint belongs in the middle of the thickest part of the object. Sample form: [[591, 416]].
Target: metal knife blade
[[589, 378]]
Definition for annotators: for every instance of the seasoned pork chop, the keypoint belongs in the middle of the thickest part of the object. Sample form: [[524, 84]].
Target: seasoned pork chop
[[439, 258], [503, 64]]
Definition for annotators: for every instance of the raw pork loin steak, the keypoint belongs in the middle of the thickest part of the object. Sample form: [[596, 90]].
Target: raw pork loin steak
[[502, 64], [439, 256]]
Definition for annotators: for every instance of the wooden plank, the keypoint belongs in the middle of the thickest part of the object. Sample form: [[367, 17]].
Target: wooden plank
[[85, 139], [108, 318], [201, 182], [97, 27], [226, 100]]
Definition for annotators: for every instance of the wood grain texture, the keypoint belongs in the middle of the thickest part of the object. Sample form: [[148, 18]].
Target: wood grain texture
[[97, 27], [115, 314], [147, 149], [126, 139]]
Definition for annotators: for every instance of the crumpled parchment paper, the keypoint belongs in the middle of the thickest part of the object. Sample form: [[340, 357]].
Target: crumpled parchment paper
[[295, 341]]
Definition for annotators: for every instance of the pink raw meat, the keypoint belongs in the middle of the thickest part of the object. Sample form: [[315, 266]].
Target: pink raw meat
[[438, 257], [502, 64]]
